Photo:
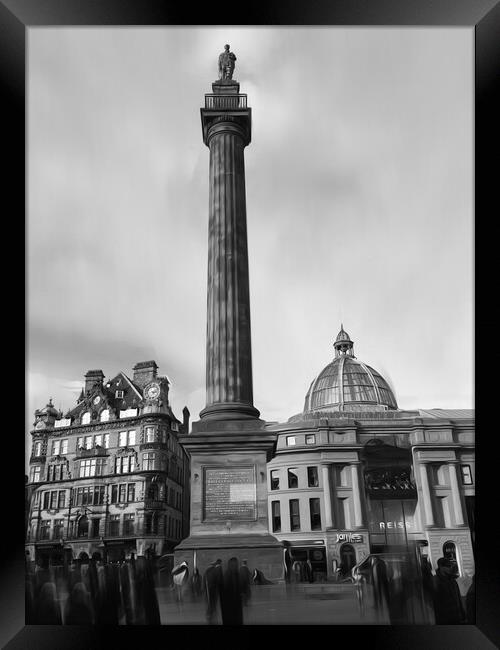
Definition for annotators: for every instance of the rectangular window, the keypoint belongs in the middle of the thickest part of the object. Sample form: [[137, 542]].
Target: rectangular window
[[114, 493], [131, 492], [290, 441], [294, 514], [276, 516], [58, 529], [315, 514], [293, 479], [131, 438], [125, 464], [128, 524], [88, 442], [466, 474], [56, 447], [149, 434], [85, 468], [106, 441], [118, 394], [79, 443], [53, 500], [275, 479], [312, 477], [122, 493], [99, 495], [64, 447], [46, 498], [95, 528], [36, 499], [114, 525], [61, 502], [310, 439], [148, 460], [38, 448], [45, 529], [35, 474], [98, 440], [50, 473], [122, 439]]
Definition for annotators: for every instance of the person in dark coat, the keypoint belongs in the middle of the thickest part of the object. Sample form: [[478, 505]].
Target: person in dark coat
[[470, 602], [448, 607], [231, 597], [47, 610], [147, 608], [246, 582], [78, 607], [195, 585], [212, 587]]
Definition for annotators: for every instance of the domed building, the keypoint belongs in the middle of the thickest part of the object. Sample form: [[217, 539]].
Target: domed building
[[347, 384], [354, 474]]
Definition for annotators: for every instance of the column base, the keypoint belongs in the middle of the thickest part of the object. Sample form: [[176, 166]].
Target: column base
[[229, 411]]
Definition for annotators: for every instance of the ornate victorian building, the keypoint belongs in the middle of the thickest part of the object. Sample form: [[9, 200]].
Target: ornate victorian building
[[110, 478], [353, 474]]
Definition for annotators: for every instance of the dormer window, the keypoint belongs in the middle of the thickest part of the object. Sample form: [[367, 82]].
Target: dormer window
[[118, 394], [86, 418]]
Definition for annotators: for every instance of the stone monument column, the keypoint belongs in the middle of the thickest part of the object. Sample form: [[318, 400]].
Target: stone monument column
[[229, 446], [226, 125]]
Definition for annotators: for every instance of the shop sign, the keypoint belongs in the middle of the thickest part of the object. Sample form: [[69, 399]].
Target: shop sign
[[349, 537], [394, 524]]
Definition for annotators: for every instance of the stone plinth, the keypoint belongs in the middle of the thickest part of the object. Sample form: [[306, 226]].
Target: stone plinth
[[229, 515]]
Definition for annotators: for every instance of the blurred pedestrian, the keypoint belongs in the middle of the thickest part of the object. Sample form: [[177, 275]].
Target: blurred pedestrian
[[180, 575], [448, 607], [147, 608], [296, 572], [47, 609], [231, 597], [308, 571], [258, 578], [246, 582], [78, 608], [196, 585], [470, 602], [212, 587]]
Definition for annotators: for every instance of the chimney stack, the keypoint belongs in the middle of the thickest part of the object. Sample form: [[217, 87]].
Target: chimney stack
[[144, 372], [91, 378]]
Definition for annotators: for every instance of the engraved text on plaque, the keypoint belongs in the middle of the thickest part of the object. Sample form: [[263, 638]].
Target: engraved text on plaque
[[230, 493]]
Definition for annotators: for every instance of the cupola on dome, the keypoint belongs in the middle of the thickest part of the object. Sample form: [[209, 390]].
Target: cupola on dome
[[347, 384]]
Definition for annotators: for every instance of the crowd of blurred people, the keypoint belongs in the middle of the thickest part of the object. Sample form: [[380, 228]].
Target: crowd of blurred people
[[403, 590], [92, 593], [400, 591]]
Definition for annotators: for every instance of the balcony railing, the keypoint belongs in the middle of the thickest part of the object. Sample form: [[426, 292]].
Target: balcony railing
[[82, 452], [225, 102]]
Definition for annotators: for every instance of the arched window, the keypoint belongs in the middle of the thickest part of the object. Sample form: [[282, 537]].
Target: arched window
[[86, 418], [347, 559], [450, 551], [83, 527], [105, 415]]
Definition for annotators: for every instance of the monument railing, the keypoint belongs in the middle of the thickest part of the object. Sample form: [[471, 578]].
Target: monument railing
[[218, 102]]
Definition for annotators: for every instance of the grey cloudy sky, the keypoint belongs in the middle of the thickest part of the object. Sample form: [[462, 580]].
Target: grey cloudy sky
[[359, 205]]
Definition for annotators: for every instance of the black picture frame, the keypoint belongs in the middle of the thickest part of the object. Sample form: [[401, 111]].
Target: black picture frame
[[16, 16]]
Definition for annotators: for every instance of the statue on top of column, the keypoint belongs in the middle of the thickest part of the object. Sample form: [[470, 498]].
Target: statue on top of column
[[226, 63]]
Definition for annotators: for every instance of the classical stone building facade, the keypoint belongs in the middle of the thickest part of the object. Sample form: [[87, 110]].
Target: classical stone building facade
[[353, 474], [110, 478]]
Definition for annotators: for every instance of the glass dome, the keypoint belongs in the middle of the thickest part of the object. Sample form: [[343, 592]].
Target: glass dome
[[347, 384]]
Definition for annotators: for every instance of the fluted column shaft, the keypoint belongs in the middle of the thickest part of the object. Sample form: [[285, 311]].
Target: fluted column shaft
[[327, 496], [426, 494], [229, 357], [455, 495], [356, 496]]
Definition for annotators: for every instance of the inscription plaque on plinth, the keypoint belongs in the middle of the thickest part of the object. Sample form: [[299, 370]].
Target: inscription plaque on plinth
[[229, 493]]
